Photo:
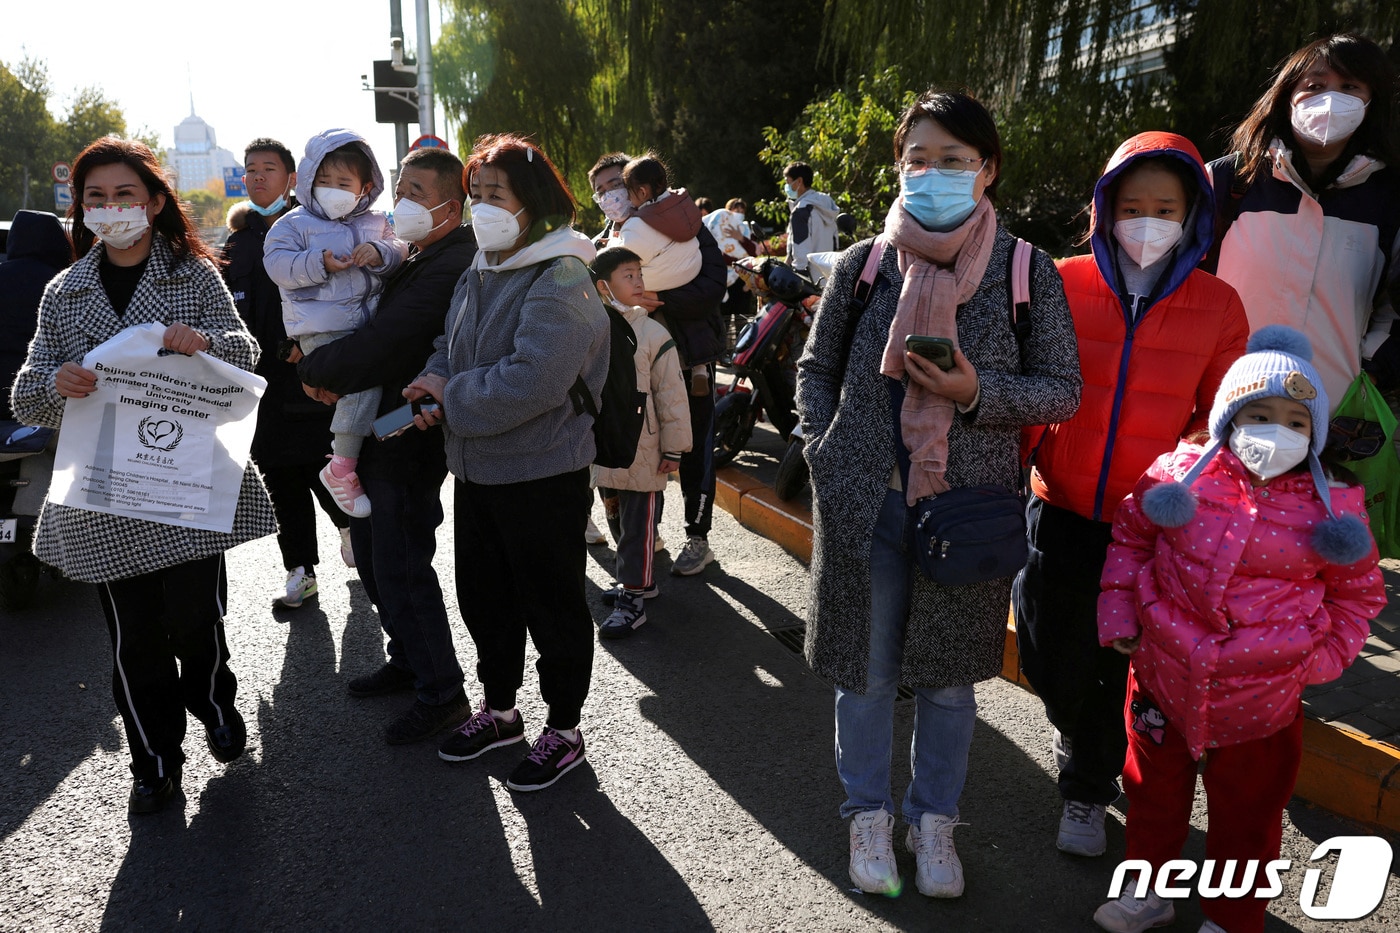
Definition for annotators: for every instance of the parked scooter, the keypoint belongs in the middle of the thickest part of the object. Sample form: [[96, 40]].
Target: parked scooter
[[765, 357], [26, 467]]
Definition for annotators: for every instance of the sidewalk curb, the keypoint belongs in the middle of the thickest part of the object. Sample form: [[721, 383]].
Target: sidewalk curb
[[1342, 770]]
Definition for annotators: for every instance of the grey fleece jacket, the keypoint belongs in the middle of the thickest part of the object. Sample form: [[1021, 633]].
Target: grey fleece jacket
[[513, 345]]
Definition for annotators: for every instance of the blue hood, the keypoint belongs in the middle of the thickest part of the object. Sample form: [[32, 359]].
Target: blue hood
[[1200, 219], [317, 147]]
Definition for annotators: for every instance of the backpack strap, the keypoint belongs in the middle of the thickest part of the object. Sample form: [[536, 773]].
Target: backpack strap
[[1018, 279], [865, 287]]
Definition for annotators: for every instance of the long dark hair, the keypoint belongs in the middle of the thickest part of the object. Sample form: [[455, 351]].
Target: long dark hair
[[1351, 56], [172, 222], [533, 179]]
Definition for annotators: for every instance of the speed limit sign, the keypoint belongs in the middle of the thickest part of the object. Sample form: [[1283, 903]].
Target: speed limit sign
[[62, 171]]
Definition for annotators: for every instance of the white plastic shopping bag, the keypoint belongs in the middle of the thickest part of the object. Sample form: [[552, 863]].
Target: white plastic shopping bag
[[165, 437]]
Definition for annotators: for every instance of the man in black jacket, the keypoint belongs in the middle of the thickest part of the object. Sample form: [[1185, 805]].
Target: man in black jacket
[[293, 435], [692, 316], [403, 475]]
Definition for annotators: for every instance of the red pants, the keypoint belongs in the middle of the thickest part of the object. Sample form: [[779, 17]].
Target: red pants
[[1247, 787]]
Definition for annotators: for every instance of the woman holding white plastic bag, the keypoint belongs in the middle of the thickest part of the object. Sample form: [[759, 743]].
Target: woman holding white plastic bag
[[162, 586]]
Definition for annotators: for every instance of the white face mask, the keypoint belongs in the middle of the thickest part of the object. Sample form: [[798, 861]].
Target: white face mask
[[117, 225], [1327, 117], [1268, 450], [413, 221], [614, 204], [495, 227], [1146, 239], [335, 203]]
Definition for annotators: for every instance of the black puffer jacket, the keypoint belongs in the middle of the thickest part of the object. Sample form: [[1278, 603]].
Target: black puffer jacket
[[391, 349], [38, 250], [292, 427]]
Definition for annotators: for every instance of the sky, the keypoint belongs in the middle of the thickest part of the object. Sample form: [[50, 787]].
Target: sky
[[285, 69]]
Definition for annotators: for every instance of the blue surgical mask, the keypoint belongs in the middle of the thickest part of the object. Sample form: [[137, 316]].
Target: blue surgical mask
[[276, 207], [788, 190], [937, 201]]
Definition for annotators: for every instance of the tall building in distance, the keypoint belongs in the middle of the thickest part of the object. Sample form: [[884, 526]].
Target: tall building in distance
[[197, 158]]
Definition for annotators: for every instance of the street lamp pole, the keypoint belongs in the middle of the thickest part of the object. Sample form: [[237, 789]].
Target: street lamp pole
[[426, 125]]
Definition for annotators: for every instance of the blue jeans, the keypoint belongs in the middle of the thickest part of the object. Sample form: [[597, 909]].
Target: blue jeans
[[394, 549], [943, 718]]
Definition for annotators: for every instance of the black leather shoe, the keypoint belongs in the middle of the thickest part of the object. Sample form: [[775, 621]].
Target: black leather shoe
[[226, 742], [150, 794], [422, 720], [388, 679]]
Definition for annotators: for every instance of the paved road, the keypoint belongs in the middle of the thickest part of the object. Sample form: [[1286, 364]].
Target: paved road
[[708, 803]]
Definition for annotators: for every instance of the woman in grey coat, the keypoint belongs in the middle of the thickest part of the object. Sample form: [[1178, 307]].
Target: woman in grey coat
[[885, 428]]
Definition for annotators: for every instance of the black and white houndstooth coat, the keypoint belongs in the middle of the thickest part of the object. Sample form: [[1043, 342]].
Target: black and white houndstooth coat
[[76, 316], [955, 634]]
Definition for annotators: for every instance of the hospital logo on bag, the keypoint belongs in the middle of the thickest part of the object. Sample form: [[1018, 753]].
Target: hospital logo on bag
[[159, 435]]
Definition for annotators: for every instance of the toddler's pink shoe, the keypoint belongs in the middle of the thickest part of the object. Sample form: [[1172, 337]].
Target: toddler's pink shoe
[[348, 492]]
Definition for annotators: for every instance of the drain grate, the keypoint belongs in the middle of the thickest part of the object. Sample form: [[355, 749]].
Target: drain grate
[[792, 637]]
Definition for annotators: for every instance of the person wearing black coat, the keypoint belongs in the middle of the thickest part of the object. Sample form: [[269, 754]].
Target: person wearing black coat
[[403, 475], [692, 313], [38, 250], [292, 438]]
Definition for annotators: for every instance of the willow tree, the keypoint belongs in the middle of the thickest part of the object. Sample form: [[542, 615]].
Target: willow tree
[[495, 72]]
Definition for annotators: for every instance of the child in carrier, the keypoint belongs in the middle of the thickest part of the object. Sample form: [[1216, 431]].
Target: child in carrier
[[328, 257], [617, 274], [1156, 335], [1238, 574], [661, 231]]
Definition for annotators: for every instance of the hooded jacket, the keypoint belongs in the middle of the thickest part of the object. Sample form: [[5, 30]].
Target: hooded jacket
[[292, 428], [38, 249], [1236, 610], [315, 301], [667, 428], [662, 232], [1319, 261], [518, 333], [811, 228], [1149, 378]]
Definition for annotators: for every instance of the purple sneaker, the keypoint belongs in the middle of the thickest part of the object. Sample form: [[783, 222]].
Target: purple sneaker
[[480, 734], [552, 757]]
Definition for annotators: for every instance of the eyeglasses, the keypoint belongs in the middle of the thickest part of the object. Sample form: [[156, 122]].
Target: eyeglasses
[[1355, 438], [948, 165]]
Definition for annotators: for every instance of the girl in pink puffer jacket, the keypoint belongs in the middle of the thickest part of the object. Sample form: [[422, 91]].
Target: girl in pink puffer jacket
[[1238, 574]]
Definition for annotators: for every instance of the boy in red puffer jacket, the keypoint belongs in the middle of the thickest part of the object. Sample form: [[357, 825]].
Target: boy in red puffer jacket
[[1238, 574]]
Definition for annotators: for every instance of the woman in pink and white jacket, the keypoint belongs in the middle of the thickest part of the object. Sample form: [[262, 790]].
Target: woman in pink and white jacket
[[1238, 574]]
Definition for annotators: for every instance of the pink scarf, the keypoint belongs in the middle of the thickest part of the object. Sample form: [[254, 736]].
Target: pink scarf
[[941, 271]]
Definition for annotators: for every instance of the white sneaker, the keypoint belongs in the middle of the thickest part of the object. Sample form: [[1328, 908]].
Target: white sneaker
[[873, 868], [1130, 915], [693, 557], [301, 586], [591, 534], [940, 872], [347, 492], [1081, 829], [347, 553]]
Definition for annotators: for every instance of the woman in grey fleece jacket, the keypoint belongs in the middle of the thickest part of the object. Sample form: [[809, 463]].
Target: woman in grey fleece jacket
[[524, 324]]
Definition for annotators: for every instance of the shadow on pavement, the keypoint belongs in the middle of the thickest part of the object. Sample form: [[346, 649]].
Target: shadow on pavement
[[55, 669]]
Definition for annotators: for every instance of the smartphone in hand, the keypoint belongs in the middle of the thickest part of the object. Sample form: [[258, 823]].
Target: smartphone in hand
[[937, 350], [401, 419]]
